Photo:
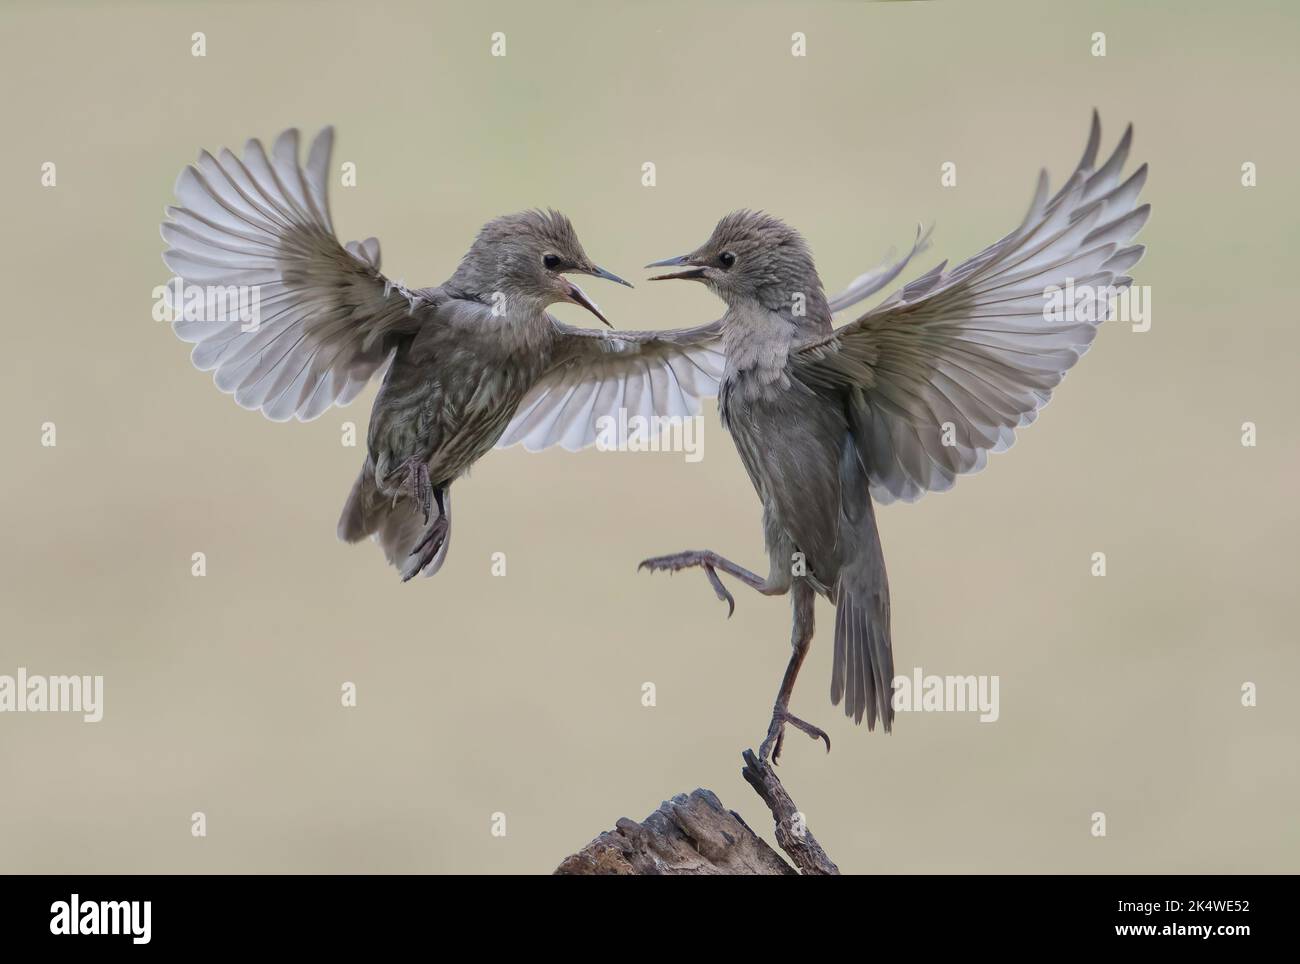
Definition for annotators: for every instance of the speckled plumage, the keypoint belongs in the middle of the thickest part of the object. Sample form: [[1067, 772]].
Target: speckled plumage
[[459, 360], [892, 405]]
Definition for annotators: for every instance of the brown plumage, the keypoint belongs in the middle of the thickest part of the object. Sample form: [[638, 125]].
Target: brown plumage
[[894, 404], [458, 358]]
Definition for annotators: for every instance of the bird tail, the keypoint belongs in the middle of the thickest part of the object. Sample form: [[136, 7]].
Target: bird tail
[[863, 669], [398, 528], [363, 511], [403, 532]]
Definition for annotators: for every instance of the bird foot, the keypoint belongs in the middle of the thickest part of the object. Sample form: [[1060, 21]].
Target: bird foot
[[776, 733], [417, 480], [705, 559], [426, 548]]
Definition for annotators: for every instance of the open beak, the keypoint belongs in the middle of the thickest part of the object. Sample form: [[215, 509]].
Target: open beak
[[692, 273], [579, 297]]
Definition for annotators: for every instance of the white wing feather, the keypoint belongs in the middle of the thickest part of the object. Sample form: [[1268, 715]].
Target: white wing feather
[[618, 375], [259, 228], [949, 366]]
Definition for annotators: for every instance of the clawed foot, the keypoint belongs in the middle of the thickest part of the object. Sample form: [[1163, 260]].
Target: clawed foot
[[684, 560], [776, 734], [417, 480], [427, 547]]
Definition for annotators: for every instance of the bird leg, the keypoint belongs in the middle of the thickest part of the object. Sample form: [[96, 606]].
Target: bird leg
[[434, 536], [417, 479], [802, 598], [711, 562]]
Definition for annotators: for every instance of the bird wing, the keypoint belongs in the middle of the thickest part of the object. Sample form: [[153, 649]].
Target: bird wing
[[645, 373], [869, 282], [947, 368], [258, 230]]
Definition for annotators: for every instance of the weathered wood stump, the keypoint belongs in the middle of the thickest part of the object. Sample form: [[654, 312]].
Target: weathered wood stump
[[695, 834]]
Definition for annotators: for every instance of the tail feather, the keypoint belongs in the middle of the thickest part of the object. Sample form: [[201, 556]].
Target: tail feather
[[397, 527], [399, 531], [404, 529], [362, 513], [863, 670]]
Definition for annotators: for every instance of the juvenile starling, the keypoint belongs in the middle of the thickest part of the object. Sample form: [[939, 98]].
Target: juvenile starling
[[894, 404], [457, 360]]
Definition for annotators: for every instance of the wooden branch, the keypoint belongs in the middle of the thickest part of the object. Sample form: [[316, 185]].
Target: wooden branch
[[792, 831], [696, 835]]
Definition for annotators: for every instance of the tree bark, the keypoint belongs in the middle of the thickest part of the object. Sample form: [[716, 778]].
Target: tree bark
[[694, 834]]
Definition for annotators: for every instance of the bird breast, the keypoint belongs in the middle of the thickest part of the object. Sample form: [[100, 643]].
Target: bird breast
[[449, 406]]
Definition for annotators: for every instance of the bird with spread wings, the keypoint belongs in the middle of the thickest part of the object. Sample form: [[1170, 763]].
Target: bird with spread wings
[[896, 403], [899, 402], [467, 365]]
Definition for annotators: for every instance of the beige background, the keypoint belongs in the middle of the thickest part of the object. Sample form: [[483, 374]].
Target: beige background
[[522, 694]]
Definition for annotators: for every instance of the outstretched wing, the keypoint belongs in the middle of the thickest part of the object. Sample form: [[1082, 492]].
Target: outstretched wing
[[284, 316], [869, 282], [597, 374], [946, 369]]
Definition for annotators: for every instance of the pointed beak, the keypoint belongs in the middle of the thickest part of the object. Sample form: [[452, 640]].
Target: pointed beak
[[598, 272], [579, 297], [692, 273]]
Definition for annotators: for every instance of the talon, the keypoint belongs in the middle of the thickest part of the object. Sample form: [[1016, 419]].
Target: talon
[[707, 561], [657, 563], [420, 485], [435, 534], [776, 733], [720, 590], [816, 732], [427, 548]]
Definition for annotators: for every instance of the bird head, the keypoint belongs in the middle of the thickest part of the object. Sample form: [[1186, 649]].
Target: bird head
[[526, 256], [750, 257]]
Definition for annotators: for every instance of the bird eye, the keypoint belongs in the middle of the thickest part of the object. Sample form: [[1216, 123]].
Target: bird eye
[[551, 261], [727, 259]]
